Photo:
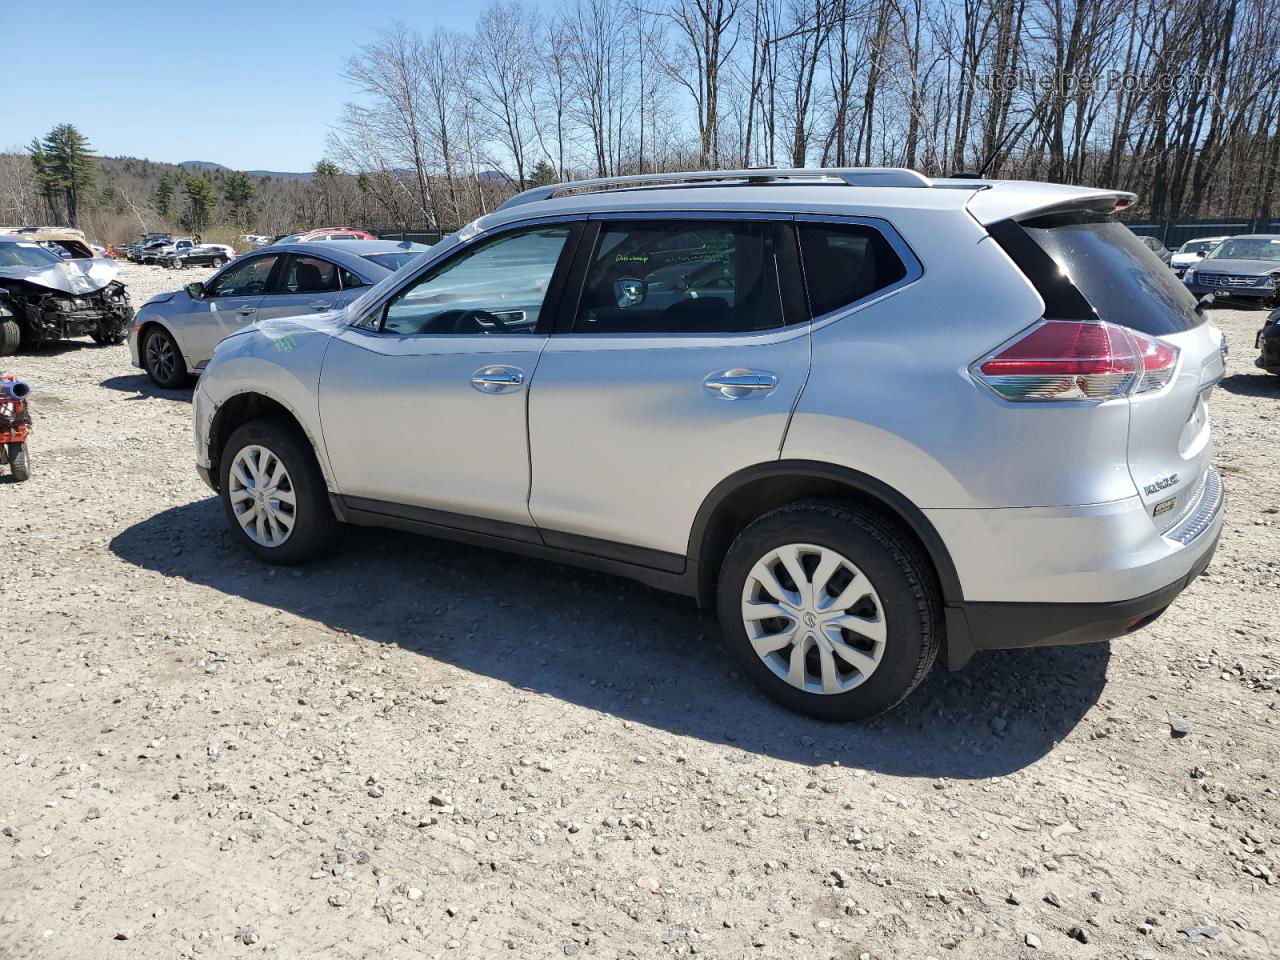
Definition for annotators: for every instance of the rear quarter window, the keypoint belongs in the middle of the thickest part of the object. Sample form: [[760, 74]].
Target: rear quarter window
[[1120, 277], [845, 263]]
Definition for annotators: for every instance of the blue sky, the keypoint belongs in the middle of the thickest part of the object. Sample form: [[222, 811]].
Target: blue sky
[[254, 86]]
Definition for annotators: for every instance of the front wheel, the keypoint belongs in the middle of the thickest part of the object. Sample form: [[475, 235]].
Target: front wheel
[[831, 610], [273, 493], [162, 359], [19, 461]]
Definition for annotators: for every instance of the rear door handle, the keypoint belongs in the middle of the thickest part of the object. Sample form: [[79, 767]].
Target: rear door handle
[[498, 378], [247, 311], [738, 383]]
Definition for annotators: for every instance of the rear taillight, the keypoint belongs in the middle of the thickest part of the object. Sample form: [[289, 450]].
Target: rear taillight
[[1072, 360]]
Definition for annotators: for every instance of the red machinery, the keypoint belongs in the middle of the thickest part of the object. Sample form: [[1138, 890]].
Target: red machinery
[[15, 425]]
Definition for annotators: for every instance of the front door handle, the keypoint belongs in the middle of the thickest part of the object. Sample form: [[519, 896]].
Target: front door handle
[[497, 379], [738, 383], [320, 305]]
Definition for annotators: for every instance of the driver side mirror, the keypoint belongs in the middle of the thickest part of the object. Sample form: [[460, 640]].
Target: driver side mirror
[[194, 290], [629, 292]]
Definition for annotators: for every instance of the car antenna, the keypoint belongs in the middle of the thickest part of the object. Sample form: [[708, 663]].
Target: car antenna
[[981, 172]]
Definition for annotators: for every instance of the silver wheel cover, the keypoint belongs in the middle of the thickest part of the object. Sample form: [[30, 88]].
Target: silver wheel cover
[[813, 618], [262, 496]]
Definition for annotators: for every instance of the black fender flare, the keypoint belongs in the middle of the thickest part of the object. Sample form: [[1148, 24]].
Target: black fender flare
[[866, 486]]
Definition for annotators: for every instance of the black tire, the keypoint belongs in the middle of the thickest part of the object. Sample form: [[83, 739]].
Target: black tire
[[108, 340], [901, 575], [314, 525], [166, 375], [19, 462], [10, 337]]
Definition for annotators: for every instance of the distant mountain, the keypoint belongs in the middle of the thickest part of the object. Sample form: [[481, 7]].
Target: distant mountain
[[211, 166]]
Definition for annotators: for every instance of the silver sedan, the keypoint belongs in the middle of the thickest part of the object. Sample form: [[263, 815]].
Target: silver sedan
[[174, 334]]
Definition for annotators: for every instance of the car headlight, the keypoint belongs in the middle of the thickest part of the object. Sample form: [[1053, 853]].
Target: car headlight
[[1190, 275]]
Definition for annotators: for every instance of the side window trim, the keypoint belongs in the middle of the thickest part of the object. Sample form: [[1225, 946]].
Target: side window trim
[[914, 268], [551, 303], [587, 244]]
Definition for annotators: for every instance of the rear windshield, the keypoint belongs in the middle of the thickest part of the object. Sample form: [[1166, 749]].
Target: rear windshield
[[1123, 280], [393, 261]]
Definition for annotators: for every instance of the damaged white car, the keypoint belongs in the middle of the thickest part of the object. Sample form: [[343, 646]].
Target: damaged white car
[[45, 298]]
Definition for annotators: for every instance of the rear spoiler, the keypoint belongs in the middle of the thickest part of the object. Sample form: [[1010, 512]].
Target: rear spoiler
[[1021, 200]]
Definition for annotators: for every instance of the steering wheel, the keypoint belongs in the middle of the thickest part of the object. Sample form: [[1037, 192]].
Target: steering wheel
[[463, 321]]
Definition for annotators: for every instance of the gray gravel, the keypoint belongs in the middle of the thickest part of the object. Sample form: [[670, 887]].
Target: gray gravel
[[416, 749]]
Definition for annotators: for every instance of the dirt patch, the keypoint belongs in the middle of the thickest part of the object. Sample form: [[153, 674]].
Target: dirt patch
[[416, 749]]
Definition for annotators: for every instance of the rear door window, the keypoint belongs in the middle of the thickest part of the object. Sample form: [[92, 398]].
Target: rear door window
[[307, 275], [1123, 280], [681, 277], [845, 263]]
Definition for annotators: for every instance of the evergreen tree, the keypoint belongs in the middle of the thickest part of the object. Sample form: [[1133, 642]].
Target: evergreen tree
[[201, 202], [162, 199], [66, 164], [44, 179], [240, 193], [543, 175]]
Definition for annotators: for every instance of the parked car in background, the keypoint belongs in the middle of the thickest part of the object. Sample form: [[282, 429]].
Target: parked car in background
[[186, 253], [814, 399], [1244, 268], [151, 251], [1268, 344], [174, 334], [51, 298], [1192, 252], [327, 233], [133, 251], [1155, 246]]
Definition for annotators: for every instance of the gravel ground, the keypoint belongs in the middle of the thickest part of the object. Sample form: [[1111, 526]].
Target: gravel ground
[[417, 749]]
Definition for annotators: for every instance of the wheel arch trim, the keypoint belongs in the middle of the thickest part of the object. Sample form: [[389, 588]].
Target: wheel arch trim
[[221, 407], [861, 484]]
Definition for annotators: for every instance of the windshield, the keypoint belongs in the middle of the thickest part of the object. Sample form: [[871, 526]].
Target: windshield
[[1248, 248], [393, 261], [26, 255], [1197, 246]]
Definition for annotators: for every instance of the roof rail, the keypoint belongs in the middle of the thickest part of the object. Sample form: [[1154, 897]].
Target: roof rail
[[852, 176]]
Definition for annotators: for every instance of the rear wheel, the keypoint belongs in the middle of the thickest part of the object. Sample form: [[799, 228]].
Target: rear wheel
[[10, 337], [273, 493], [162, 359], [831, 610], [19, 461]]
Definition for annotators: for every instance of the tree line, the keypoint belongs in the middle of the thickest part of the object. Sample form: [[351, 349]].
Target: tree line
[[1177, 102]]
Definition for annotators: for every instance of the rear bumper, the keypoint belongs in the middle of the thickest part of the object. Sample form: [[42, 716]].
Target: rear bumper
[[1007, 626], [1101, 576]]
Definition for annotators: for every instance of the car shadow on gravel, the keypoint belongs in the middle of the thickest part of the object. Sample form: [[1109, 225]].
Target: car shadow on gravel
[[612, 645], [141, 387], [1252, 384]]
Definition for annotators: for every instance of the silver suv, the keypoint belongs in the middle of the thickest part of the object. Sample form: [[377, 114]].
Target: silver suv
[[861, 412]]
